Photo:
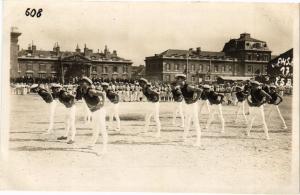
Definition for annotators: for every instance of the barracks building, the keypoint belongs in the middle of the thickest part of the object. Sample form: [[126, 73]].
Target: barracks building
[[64, 66], [240, 59]]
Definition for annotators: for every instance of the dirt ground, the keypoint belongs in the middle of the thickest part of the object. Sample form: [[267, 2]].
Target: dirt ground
[[137, 161]]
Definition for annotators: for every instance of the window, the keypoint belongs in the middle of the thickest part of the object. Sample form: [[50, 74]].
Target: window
[[105, 69], [249, 68], [223, 68], [249, 57], [42, 75], [193, 68], [19, 68], [258, 57], [216, 68], [201, 68], [28, 66], [193, 78], [229, 68], [42, 67], [168, 66], [167, 77], [29, 75], [53, 68], [266, 58], [265, 69], [208, 68], [115, 69], [176, 66], [125, 69]]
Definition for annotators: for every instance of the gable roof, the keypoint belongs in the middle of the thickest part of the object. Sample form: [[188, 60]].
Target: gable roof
[[191, 53], [40, 54]]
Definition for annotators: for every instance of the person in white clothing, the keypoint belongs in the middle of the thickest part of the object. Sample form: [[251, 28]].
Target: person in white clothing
[[178, 100], [112, 105], [95, 100], [152, 99], [191, 95]]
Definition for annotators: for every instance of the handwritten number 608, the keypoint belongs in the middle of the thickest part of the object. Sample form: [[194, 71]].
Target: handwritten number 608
[[33, 12]]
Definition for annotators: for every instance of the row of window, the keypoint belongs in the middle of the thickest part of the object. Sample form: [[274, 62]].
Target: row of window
[[167, 78], [257, 57], [41, 75], [201, 67], [250, 69], [42, 67], [115, 69]]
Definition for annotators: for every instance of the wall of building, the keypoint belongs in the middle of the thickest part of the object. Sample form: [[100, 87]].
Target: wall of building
[[33, 68], [198, 70], [40, 69], [154, 69], [14, 48], [111, 70]]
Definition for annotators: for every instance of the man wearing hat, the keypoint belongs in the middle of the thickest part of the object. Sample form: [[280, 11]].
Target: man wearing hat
[[87, 114], [113, 105], [68, 100], [153, 98], [178, 99], [204, 98], [274, 102], [256, 101], [215, 101], [241, 97], [191, 95], [49, 99], [95, 102]]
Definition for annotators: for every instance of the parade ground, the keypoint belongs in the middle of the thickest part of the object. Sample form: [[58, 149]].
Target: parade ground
[[138, 161]]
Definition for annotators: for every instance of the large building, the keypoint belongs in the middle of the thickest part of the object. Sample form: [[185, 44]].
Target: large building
[[242, 57], [64, 66]]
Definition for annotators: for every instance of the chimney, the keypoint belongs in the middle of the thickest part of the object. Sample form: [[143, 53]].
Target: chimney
[[106, 52], [33, 49], [114, 52], [245, 35], [198, 50], [85, 50], [105, 49], [29, 47], [77, 48], [56, 48]]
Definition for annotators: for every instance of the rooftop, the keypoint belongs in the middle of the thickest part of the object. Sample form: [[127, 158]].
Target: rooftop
[[192, 53], [32, 52], [245, 42]]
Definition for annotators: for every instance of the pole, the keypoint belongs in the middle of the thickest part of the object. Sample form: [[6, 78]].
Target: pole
[[187, 64]]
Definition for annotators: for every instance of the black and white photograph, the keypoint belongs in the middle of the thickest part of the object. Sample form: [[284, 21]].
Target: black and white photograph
[[177, 97]]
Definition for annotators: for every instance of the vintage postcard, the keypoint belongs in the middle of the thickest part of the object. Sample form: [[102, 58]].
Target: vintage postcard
[[150, 97]]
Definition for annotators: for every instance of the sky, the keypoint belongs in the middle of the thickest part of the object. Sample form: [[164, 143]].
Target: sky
[[137, 30]]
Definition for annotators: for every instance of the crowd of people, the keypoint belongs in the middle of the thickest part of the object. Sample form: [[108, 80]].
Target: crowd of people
[[131, 91], [102, 98]]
